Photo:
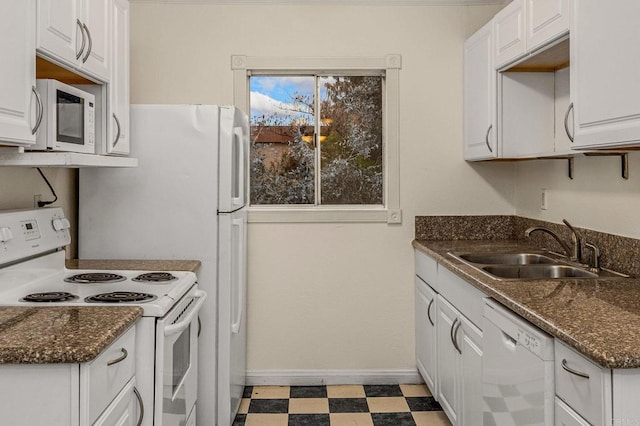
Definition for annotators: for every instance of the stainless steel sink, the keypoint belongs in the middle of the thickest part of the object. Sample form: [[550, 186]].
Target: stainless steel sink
[[538, 272], [529, 265], [507, 258]]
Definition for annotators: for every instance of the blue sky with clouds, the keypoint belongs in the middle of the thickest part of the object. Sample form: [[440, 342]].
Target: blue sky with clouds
[[273, 94]]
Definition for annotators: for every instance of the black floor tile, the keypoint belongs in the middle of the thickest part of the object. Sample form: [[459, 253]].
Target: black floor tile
[[308, 392], [423, 403], [239, 420], [269, 406], [382, 390], [348, 405], [309, 420], [393, 419], [248, 390]]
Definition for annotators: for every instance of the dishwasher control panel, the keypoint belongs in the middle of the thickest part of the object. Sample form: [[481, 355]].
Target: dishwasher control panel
[[529, 341]]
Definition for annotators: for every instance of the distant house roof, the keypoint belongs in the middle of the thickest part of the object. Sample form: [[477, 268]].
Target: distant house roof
[[278, 134]]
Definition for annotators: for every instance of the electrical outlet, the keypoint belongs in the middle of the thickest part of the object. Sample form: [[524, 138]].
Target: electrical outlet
[[543, 199], [36, 199]]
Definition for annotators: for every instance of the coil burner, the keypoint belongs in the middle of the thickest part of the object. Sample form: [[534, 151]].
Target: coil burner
[[95, 278], [155, 277], [49, 296], [120, 297]]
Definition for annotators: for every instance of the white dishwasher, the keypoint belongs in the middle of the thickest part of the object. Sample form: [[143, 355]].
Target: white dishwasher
[[517, 370]]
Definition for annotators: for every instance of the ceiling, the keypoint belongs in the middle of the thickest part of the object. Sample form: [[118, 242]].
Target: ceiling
[[332, 2]]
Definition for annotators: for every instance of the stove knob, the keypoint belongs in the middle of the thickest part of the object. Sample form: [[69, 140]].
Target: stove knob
[[65, 223], [5, 235], [57, 224]]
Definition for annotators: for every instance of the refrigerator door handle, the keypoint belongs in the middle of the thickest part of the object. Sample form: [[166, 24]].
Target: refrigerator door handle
[[239, 286], [238, 196]]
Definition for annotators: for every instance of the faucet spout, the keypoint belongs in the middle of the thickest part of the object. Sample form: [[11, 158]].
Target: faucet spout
[[576, 240], [568, 251]]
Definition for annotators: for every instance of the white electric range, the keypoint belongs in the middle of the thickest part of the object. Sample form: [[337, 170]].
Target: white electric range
[[33, 273]]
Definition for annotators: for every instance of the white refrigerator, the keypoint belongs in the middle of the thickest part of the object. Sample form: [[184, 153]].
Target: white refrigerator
[[185, 200]]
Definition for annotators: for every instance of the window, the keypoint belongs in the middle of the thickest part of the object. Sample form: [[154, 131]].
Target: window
[[324, 139]]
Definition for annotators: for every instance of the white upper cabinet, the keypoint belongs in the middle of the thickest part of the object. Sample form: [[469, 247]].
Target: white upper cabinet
[[480, 96], [76, 33], [118, 141], [509, 33], [19, 107], [546, 20], [525, 26], [96, 15], [605, 73]]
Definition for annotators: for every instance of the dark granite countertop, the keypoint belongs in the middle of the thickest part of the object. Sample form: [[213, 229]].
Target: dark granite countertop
[[47, 335], [135, 265], [598, 317]]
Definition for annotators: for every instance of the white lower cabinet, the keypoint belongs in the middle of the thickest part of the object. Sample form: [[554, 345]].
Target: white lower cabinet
[[448, 341], [449, 365], [426, 305], [101, 392], [565, 416]]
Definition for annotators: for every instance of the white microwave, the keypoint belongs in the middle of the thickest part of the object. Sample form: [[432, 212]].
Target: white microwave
[[68, 118]]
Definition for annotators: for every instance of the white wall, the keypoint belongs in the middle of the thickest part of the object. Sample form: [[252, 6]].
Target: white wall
[[334, 296], [597, 198]]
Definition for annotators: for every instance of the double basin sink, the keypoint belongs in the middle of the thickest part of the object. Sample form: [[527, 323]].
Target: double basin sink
[[528, 266]]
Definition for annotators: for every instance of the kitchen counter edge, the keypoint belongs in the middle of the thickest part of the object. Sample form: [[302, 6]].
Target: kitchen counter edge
[[55, 335]]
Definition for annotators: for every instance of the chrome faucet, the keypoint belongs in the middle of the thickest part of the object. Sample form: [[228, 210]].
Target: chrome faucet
[[574, 252]]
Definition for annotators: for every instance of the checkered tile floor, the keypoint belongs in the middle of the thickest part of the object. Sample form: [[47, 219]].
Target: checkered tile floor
[[352, 405]]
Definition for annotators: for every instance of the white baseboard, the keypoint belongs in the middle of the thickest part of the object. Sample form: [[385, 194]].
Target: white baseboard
[[332, 377]]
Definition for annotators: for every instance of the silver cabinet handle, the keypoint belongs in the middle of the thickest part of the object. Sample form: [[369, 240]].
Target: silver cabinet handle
[[429, 312], [120, 358], [39, 110], [141, 406], [115, 117], [86, 56], [565, 367], [453, 333], [566, 122], [199, 326], [486, 138], [83, 38]]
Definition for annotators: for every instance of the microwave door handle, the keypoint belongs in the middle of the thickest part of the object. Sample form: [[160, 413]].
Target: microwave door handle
[[184, 322], [39, 110]]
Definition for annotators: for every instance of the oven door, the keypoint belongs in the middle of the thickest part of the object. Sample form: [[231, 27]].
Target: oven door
[[177, 361]]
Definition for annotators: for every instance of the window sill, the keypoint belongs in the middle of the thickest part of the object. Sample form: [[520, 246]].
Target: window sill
[[313, 214]]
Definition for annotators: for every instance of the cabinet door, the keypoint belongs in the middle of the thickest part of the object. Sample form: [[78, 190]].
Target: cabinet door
[[565, 416], [118, 141], [509, 33], [123, 410], [426, 333], [448, 371], [480, 96], [546, 20], [59, 30], [604, 73], [18, 103], [471, 377], [96, 22]]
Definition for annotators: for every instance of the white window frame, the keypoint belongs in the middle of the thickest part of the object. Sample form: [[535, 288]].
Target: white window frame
[[390, 65]]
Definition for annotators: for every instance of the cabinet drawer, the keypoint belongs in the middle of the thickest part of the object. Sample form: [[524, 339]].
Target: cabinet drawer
[[565, 416], [122, 411], [582, 384], [426, 268], [101, 382], [465, 297]]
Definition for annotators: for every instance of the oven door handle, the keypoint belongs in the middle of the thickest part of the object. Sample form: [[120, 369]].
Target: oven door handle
[[186, 320]]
